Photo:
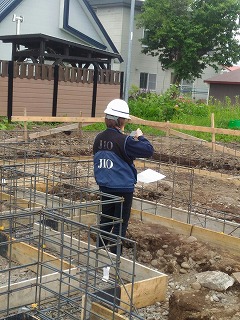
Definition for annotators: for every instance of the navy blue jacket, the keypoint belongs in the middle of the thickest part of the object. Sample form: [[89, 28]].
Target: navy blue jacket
[[114, 153]]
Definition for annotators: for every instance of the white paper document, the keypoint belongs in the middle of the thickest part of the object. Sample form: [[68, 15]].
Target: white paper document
[[149, 175]]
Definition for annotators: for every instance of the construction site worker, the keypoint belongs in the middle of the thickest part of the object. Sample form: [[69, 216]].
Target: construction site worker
[[114, 170]]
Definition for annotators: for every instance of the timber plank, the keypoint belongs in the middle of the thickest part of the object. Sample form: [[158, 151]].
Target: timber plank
[[218, 239], [215, 238], [73, 126], [22, 203], [98, 310], [25, 292], [168, 126], [146, 292], [26, 254], [57, 119], [161, 125]]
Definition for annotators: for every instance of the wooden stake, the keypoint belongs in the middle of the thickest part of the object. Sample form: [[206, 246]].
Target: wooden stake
[[213, 133], [79, 129], [167, 133], [25, 126]]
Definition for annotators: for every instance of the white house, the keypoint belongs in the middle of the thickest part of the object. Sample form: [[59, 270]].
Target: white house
[[71, 20], [145, 71], [101, 24], [67, 57]]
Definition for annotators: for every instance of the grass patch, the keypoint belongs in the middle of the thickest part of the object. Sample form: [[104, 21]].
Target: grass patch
[[169, 106], [174, 108]]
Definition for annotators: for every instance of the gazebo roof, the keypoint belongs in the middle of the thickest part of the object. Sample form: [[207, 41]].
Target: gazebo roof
[[41, 47]]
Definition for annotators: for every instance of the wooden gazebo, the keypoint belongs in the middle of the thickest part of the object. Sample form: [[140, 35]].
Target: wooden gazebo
[[47, 50]]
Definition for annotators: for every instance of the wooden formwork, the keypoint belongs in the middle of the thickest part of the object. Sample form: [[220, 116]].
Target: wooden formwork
[[149, 286], [227, 242]]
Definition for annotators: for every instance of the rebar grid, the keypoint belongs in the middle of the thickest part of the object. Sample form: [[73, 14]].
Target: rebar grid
[[168, 149], [175, 190], [20, 196], [59, 183], [176, 197], [196, 153], [69, 276], [47, 184], [67, 143]]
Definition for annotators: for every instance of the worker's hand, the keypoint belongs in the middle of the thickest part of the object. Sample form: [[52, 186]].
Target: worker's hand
[[138, 133]]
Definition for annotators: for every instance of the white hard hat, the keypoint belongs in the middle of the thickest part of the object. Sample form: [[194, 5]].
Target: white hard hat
[[118, 108]]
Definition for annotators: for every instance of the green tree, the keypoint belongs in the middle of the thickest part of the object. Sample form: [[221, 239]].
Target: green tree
[[189, 35]]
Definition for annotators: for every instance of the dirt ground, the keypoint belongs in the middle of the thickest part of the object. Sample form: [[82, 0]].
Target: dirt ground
[[204, 179], [213, 187], [182, 259], [210, 182]]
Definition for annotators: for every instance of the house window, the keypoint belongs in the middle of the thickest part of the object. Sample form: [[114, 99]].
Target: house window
[[145, 36], [148, 81]]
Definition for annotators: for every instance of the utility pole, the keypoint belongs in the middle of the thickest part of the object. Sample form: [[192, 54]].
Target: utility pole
[[129, 56]]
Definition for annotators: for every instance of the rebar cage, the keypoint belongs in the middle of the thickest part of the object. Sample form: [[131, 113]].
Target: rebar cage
[[72, 275], [50, 231]]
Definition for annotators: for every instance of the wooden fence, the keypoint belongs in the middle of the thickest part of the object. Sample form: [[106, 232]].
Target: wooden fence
[[169, 128], [46, 72], [48, 90]]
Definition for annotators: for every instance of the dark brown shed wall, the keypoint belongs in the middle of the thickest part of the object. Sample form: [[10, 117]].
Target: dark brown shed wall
[[221, 91]]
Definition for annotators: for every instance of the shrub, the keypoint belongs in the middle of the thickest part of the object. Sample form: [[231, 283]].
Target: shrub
[[171, 106]]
